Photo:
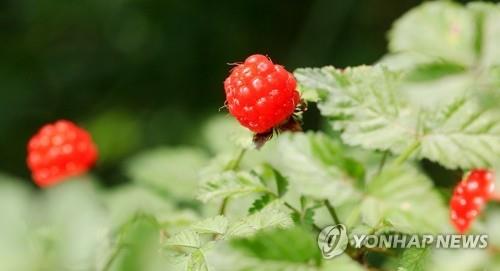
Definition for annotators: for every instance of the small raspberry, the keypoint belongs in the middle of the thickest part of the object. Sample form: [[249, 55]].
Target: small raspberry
[[58, 151], [260, 94], [469, 198]]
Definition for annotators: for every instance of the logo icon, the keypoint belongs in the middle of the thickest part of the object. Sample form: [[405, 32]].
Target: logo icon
[[333, 241]]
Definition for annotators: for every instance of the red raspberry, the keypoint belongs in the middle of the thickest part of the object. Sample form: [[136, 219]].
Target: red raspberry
[[470, 197], [260, 94], [58, 151]]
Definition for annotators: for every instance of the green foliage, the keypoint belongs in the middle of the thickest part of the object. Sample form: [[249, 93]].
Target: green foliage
[[316, 166], [260, 203], [367, 105], [446, 30], [230, 184], [275, 246], [431, 98], [271, 216], [406, 200], [413, 259], [170, 170]]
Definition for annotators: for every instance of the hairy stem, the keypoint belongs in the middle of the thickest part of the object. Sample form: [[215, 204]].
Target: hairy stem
[[382, 163], [112, 258], [332, 211], [233, 165], [407, 153], [222, 208]]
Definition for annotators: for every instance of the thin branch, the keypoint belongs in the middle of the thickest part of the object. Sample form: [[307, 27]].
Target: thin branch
[[332, 211], [382, 163]]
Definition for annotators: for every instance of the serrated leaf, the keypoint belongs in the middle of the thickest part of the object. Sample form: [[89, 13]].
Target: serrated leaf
[[260, 203], [230, 184], [217, 225], [270, 217], [275, 246], [308, 219], [269, 173], [186, 238], [317, 167], [363, 103], [281, 183], [413, 259], [197, 262], [312, 89], [366, 106], [446, 31], [463, 135], [404, 198]]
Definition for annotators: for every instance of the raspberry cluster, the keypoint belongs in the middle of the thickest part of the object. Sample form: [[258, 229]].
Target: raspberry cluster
[[261, 95], [469, 198], [58, 151]]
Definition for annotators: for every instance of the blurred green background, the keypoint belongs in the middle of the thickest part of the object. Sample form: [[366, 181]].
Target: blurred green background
[[146, 73]]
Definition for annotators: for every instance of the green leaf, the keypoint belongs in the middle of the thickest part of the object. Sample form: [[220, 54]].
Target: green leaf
[[433, 71], [317, 167], [445, 31], [311, 89], [272, 216], [216, 225], [281, 183], [186, 238], [275, 246], [19, 245], [75, 223], [462, 135], [487, 15], [174, 170], [224, 134], [308, 220], [367, 105], [269, 174], [342, 263], [197, 262], [137, 247], [260, 203], [121, 208], [413, 259], [363, 103], [460, 260], [230, 184], [406, 199]]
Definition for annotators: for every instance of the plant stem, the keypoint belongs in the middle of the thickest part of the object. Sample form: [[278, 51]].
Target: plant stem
[[407, 153], [112, 258], [289, 206], [382, 163], [222, 208], [332, 211], [233, 165]]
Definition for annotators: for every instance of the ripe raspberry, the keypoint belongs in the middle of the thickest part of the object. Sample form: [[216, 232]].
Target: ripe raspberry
[[470, 197], [260, 94], [58, 151]]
